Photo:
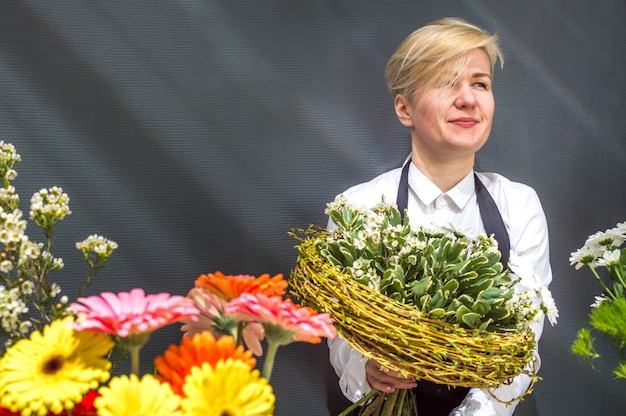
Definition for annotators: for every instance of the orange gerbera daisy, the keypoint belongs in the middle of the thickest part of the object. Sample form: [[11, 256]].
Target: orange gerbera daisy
[[176, 363], [231, 286]]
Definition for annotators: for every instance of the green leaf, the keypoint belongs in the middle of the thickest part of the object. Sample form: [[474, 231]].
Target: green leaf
[[421, 286], [437, 312], [470, 319], [449, 288], [348, 255], [480, 307]]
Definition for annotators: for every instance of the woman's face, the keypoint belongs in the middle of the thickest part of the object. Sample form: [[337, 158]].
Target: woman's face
[[452, 119]]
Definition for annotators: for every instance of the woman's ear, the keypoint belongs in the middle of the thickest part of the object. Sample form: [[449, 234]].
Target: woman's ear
[[403, 110]]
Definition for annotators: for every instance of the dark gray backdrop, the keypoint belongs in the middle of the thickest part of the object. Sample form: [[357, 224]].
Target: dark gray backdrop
[[197, 133]]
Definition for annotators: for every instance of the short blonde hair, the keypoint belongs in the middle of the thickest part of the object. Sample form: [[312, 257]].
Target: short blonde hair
[[434, 49]]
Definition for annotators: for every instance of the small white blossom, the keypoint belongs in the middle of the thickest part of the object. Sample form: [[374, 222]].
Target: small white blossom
[[10, 175], [98, 245], [598, 301], [57, 263], [25, 327], [49, 206], [6, 266], [55, 289]]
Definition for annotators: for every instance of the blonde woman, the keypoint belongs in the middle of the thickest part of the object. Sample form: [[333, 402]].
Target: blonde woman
[[441, 79]]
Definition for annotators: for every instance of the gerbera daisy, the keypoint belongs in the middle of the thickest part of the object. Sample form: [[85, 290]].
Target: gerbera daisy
[[297, 323], [176, 363], [132, 316], [228, 389], [129, 313], [51, 371], [229, 287], [84, 408], [131, 396], [211, 318], [283, 321]]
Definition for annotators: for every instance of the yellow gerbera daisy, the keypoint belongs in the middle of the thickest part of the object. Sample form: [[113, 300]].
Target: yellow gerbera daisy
[[229, 388], [130, 396], [51, 371]]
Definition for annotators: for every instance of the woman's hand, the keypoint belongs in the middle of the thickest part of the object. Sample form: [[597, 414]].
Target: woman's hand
[[386, 381]]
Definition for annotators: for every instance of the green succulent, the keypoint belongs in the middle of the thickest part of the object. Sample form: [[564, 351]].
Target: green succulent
[[442, 273]]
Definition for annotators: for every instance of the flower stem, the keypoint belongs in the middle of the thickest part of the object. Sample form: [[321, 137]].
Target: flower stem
[[134, 359], [362, 400], [604, 286], [268, 365], [390, 403]]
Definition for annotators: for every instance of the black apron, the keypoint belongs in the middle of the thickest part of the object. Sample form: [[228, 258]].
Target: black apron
[[438, 399]]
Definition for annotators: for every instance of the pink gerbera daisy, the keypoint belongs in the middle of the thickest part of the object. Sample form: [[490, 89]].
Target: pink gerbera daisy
[[130, 313], [211, 318], [132, 316], [297, 322], [284, 322]]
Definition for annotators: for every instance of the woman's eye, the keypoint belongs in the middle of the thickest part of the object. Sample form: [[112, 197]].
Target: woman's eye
[[481, 85]]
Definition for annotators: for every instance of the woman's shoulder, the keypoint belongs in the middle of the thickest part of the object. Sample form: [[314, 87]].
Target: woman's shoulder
[[499, 184], [371, 192], [514, 199]]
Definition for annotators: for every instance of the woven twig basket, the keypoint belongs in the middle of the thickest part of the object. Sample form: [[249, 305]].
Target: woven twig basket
[[401, 338]]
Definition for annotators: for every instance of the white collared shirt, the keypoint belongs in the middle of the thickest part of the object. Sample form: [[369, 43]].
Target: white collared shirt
[[524, 220]]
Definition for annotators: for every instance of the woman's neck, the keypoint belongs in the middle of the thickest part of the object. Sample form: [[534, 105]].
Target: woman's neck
[[445, 174]]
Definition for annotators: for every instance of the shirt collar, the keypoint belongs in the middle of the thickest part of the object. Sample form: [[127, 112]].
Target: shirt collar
[[427, 191]]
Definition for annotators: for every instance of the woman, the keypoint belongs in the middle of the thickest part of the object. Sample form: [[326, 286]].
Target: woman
[[441, 80]]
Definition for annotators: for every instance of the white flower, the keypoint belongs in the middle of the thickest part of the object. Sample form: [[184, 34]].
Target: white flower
[[586, 255], [49, 206], [609, 258], [57, 263], [6, 266], [608, 238], [548, 305], [10, 175], [25, 327], [461, 229], [599, 300], [27, 287], [620, 228], [55, 289], [97, 244], [29, 250]]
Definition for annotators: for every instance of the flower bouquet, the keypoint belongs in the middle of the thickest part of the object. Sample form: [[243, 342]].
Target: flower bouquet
[[608, 312], [431, 304], [65, 369], [57, 357]]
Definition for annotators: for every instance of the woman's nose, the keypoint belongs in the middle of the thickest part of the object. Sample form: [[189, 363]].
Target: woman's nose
[[465, 96]]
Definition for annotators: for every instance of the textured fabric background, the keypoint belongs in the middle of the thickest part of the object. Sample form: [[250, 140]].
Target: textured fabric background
[[196, 134]]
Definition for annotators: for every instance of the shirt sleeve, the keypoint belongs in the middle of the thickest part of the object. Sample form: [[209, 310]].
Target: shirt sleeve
[[350, 368]]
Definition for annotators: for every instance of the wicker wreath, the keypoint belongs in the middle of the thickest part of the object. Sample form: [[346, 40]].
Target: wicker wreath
[[401, 338]]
